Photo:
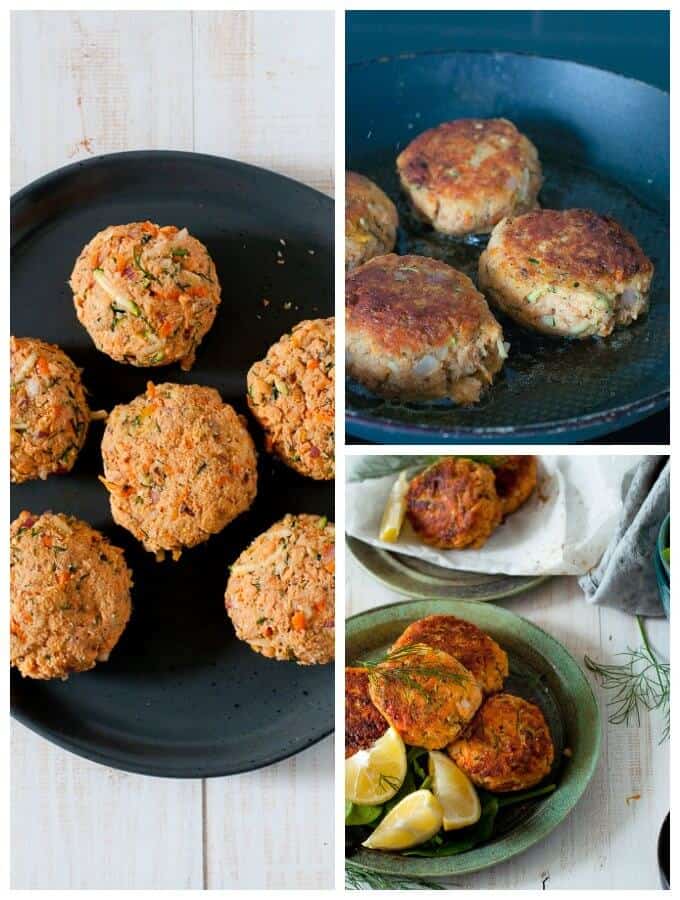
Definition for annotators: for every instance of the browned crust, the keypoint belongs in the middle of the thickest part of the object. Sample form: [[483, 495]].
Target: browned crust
[[360, 193], [507, 747], [453, 504], [363, 722], [516, 481], [584, 243], [467, 643], [439, 159], [407, 302], [434, 704]]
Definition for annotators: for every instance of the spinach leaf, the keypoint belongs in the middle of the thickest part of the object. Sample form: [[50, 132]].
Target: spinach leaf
[[361, 815]]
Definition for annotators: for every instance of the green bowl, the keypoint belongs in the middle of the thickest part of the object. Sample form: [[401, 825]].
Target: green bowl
[[542, 671], [661, 566]]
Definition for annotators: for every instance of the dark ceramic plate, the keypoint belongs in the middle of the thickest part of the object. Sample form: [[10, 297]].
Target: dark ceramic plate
[[180, 696], [541, 671], [604, 143]]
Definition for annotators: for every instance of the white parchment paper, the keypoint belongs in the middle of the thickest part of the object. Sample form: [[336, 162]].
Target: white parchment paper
[[562, 530]]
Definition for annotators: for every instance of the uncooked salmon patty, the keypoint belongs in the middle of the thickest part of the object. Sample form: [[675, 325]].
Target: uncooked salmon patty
[[569, 273], [179, 466], [371, 221], [463, 177], [49, 415], [516, 479], [291, 392], [467, 643], [146, 295], [280, 593], [364, 724], [426, 694], [507, 747], [418, 329], [69, 595], [453, 504]]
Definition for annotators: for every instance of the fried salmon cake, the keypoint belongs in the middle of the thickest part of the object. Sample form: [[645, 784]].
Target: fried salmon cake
[[508, 746], [418, 329], [364, 723], [516, 479], [371, 221], [463, 177], [426, 694], [467, 643], [569, 273], [453, 504]]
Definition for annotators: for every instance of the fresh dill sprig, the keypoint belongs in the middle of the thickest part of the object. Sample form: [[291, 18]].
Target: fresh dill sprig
[[357, 879], [407, 675], [640, 682]]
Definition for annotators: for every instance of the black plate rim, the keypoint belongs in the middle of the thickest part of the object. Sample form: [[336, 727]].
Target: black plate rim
[[50, 178], [638, 408], [110, 758]]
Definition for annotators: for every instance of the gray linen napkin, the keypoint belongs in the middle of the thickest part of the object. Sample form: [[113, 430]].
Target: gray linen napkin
[[625, 576]]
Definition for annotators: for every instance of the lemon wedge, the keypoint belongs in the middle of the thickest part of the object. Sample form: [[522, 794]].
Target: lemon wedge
[[414, 820], [395, 510], [375, 775], [455, 792]]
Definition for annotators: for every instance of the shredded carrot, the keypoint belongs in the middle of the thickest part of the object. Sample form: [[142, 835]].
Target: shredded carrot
[[42, 366], [151, 389], [63, 578], [313, 364], [46, 540], [298, 621], [197, 291]]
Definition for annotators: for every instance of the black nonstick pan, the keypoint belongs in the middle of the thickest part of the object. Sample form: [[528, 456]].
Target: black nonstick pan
[[604, 143], [180, 695]]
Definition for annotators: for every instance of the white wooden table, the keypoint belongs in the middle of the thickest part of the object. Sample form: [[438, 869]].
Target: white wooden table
[[609, 840], [256, 87]]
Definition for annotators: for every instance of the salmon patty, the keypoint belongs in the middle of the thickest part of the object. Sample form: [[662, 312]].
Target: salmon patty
[[146, 295], [49, 414], [426, 694], [371, 221], [507, 747], [463, 177], [291, 393], [280, 593], [179, 465], [568, 273], [516, 479], [69, 595], [364, 724], [418, 329], [453, 504], [479, 653]]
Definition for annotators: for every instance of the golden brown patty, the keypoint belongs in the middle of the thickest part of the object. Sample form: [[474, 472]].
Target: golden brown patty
[[280, 593], [371, 221], [417, 328], [179, 465], [571, 273], [507, 747], [363, 722], [426, 694], [516, 479], [291, 392], [464, 176], [453, 504], [146, 295], [69, 595], [49, 415], [479, 653]]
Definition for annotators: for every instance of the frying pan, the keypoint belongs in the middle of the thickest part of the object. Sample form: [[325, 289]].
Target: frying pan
[[180, 695], [603, 140]]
